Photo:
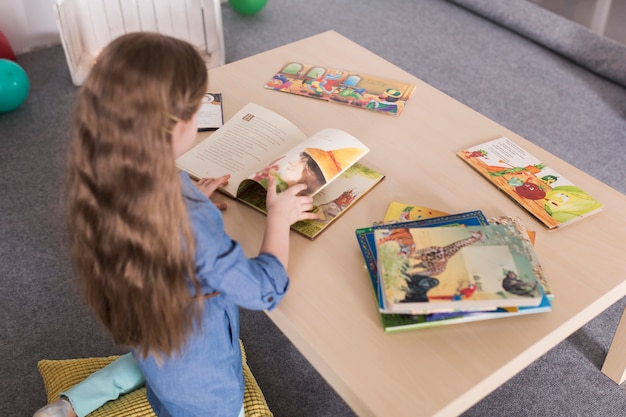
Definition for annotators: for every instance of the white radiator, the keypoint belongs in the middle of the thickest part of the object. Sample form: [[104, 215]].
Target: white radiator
[[86, 26]]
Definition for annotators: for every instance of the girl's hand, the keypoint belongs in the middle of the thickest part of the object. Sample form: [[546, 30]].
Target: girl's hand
[[284, 209], [288, 206], [207, 186]]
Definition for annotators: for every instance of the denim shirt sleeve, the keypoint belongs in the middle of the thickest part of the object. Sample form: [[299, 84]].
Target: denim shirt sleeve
[[256, 283]]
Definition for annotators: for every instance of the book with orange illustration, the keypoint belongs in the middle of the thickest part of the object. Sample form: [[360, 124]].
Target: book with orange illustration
[[257, 143], [334, 85], [539, 189]]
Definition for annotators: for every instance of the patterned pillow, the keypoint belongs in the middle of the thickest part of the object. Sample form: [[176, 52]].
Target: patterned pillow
[[60, 375]]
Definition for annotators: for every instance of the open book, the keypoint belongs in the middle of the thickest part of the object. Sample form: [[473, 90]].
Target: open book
[[543, 192], [257, 143]]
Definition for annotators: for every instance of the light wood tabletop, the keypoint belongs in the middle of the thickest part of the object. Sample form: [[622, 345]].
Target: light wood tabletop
[[330, 313]]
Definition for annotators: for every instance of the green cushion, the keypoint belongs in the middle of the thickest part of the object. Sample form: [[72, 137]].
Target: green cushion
[[60, 375]]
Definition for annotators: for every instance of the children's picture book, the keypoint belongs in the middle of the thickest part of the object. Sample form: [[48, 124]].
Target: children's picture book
[[402, 212], [543, 192], [447, 269], [391, 322], [257, 143], [341, 86], [210, 115], [367, 242], [524, 234]]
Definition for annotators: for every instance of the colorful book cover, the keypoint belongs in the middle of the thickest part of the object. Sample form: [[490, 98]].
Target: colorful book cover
[[522, 233], [446, 269], [367, 243], [392, 323], [341, 86], [543, 192], [402, 212]]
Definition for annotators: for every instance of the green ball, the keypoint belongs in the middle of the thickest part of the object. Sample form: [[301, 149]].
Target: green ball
[[247, 7], [14, 85]]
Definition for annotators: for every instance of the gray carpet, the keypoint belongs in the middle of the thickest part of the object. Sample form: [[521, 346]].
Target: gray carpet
[[564, 103]]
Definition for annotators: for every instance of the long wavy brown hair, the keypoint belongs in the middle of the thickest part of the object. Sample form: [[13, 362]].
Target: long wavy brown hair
[[131, 242]]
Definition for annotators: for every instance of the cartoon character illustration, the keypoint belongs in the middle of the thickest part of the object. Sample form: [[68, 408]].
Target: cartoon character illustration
[[301, 170], [530, 191], [511, 283], [417, 287], [515, 182], [463, 292], [403, 237], [313, 167], [566, 202], [350, 95], [405, 215], [388, 101], [333, 208], [498, 171], [480, 153], [332, 162], [433, 259], [327, 83], [549, 179], [279, 82]]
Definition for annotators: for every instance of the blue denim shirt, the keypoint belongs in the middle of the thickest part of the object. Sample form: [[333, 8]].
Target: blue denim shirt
[[207, 379]]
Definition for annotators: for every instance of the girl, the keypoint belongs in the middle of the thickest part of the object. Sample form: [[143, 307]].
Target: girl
[[149, 248]]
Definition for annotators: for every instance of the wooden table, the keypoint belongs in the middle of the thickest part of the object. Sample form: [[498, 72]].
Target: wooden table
[[330, 314]]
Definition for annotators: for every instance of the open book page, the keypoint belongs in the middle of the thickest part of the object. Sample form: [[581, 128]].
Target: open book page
[[244, 145], [543, 192], [316, 162], [338, 197]]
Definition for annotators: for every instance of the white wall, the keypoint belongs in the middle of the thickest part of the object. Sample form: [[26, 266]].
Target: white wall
[[28, 24]]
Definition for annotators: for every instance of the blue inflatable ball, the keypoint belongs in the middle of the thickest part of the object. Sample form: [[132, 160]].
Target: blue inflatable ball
[[14, 85], [247, 7]]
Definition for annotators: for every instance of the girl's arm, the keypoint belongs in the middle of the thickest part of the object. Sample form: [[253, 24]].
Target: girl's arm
[[284, 209]]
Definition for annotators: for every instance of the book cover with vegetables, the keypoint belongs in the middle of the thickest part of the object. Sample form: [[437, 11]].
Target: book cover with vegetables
[[543, 192]]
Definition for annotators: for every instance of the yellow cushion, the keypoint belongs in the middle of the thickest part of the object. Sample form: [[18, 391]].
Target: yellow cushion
[[60, 375]]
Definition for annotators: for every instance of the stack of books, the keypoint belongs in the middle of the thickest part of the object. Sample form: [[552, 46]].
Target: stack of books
[[428, 268]]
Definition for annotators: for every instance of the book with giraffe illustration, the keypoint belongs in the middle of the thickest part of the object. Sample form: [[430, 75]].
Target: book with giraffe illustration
[[334, 85], [444, 269], [401, 215], [542, 191], [257, 143]]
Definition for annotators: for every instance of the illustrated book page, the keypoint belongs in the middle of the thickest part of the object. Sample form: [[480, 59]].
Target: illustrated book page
[[257, 143], [442, 269], [402, 212], [342, 86], [367, 242], [543, 192], [391, 322]]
